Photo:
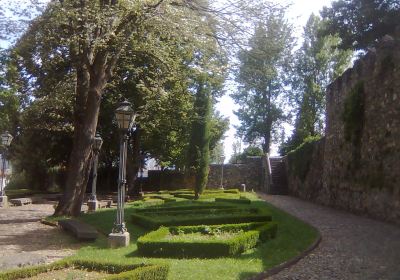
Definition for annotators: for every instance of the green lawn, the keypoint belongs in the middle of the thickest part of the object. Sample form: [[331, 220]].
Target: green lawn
[[293, 237]]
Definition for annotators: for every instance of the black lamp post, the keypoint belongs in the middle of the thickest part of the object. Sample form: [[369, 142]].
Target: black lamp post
[[93, 204], [222, 172], [125, 117], [6, 139]]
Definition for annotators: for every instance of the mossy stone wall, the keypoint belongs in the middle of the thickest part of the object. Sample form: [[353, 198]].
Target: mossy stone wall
[[357, 168]]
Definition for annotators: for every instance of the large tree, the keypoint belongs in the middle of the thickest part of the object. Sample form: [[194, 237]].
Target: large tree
[[261, 80], [93, 35], [90, 36], [317, 63], [360, 23]]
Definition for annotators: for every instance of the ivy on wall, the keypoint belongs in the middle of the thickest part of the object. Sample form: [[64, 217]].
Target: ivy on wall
[[300, 158], [353, 119]]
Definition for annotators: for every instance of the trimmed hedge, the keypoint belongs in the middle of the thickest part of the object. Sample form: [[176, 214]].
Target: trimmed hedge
[[166, 199], [152, 244], [232, 200], [118, 271], [150, 272], [191, 196], [183, 207], [203, 211], [215, 218]]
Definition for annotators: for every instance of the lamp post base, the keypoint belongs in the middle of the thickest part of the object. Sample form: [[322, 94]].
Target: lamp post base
[[117, 240], [93, 205], [3, 201]]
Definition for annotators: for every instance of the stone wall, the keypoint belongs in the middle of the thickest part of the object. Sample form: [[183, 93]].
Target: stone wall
[[360, 162], [251, 173], [305, 169]]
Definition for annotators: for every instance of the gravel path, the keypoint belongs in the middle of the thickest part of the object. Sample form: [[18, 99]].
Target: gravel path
[[352, 247], [25, 241]]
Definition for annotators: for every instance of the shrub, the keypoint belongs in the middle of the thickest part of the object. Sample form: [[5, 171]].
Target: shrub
[[216, 218], [231, 200], [183, 207], [120, 271], [247, 237], [207, 195], [150, 272]]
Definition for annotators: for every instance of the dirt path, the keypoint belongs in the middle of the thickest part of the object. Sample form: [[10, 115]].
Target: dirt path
[[25, 241], [352, 247]]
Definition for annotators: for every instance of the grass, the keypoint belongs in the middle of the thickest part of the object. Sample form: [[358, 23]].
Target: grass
[[293, 237]]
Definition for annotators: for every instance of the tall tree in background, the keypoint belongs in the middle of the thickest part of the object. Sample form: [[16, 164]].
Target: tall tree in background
[[360, 23], [317, 63], [261, 79]]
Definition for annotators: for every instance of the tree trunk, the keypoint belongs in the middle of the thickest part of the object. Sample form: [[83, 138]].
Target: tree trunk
[[88, 92], [133, 162], [267, 137]]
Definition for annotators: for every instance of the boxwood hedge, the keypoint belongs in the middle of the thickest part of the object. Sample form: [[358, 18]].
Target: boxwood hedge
[[232, 200], [216, 217], [249, 234], [117, 271]]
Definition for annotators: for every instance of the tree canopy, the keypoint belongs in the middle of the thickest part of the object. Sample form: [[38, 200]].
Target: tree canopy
[[361, 23], [317, 63], [261, 79]]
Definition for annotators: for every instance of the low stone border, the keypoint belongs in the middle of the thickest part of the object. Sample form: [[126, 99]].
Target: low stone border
[[276, 269]]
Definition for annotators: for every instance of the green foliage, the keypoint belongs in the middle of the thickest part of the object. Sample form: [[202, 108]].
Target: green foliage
[[120, 271], [353, 119], [246, 236], [230, 200], [250, 151], [199, 145], [317, 63], [149, 272], [300, 159], [293, 237], [182, 207], [361, 23], [261, 79]]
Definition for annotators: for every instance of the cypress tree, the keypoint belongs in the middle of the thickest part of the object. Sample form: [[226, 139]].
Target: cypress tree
[[199, 146]]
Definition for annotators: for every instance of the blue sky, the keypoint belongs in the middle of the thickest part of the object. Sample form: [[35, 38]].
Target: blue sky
[[299, 13]]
